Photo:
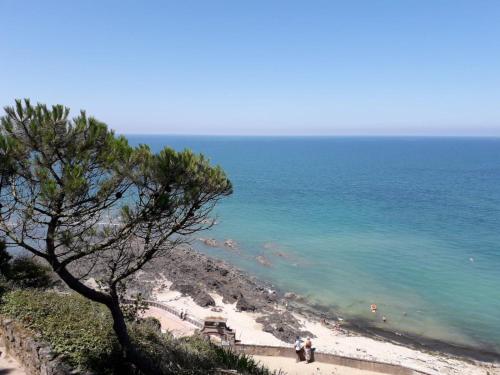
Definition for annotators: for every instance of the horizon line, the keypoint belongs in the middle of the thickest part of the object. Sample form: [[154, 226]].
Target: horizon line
[[314, 135]]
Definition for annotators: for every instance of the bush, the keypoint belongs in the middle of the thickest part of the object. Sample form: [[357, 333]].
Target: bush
[[22, 271], [81, 331], [25, 272], [5, 258], [190, 355], [73, 326]]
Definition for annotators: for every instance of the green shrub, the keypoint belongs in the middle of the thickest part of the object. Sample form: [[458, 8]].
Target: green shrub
[[81, 331], [5, 258], [25, 272], [76, 328], [190, 355]]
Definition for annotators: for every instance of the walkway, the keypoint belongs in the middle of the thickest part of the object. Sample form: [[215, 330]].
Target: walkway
[[290, 367], [170, 322], [8, 365]]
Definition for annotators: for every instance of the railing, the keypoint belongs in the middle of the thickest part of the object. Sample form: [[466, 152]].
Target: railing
[[196, 322]]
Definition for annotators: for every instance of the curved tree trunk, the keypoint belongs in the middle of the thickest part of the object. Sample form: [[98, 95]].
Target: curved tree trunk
[[142, 362], [112, 302]]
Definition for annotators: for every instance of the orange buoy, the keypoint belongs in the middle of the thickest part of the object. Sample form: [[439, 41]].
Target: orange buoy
[[373, 307]]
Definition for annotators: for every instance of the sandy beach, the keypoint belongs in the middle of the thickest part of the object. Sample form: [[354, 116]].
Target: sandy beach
[[327, 340]]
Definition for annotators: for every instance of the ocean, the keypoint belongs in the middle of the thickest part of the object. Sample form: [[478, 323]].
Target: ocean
[[410, 224]]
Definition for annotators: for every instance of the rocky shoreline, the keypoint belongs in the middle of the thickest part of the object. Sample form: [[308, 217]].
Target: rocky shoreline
[[196, 275]]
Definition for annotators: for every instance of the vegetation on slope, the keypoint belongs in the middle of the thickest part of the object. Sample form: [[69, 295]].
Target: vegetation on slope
[[81, 331]]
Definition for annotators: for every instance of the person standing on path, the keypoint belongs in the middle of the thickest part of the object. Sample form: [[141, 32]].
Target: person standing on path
[[299, 349], [308, 350]]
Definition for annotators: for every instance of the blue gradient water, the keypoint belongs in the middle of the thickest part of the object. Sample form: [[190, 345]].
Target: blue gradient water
[[411, 224]]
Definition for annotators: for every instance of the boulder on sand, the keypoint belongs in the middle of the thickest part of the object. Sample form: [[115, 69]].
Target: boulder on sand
[[204, 299], [243, 305], [199, 296]]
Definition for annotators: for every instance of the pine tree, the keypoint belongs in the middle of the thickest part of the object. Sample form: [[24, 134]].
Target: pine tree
[[81, 198]]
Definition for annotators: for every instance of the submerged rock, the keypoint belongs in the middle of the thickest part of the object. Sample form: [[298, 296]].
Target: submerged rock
[[231, 244], [263, 261], [211, 242]]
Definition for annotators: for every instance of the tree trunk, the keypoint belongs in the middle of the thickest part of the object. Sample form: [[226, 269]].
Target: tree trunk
[[112, 302], [142, 362]]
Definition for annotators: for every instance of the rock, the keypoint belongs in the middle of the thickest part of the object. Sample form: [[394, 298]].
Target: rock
[[187, 289], [244, 305], [204, 299], [199, 296], [290, 295], [211, 242], [283, 326], [231, 244], [263, 260], [271, 297]]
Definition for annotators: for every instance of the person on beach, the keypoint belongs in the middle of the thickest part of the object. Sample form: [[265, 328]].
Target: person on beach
[[299, 349], [308, 350]]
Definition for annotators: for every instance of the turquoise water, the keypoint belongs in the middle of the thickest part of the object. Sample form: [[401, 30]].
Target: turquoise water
[[411, 224]]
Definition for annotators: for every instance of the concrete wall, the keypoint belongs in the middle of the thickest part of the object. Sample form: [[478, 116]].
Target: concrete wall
[[361, 364], [34, 356]]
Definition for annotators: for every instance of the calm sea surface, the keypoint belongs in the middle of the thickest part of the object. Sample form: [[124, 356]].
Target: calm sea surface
[[411, 224]]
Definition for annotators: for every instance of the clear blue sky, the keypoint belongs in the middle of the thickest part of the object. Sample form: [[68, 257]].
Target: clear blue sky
[[260, 67]]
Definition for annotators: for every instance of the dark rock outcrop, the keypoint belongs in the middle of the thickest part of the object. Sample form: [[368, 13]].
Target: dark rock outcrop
[[244, 305], [200, 296], [283, 325]]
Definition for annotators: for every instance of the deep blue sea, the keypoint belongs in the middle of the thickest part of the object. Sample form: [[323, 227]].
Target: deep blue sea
[[411, 224]]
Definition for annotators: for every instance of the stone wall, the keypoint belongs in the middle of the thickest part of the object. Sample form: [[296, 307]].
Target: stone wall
[[35, 356], [278, 351]]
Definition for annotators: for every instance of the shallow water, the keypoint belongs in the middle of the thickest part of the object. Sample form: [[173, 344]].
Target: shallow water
[[411, 224]]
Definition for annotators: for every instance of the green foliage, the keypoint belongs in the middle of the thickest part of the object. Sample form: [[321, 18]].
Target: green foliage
[[191, 355], [22, 271], [132, 311], [25, 272], [80, 330], [5, 258], [75, 328], [61, 178]]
